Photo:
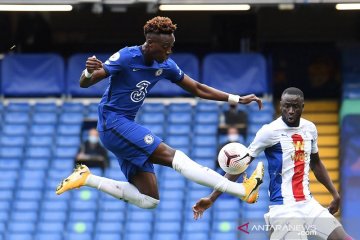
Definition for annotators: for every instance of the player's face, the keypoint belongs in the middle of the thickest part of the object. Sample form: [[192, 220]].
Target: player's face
[[162, 46], [291, 107]]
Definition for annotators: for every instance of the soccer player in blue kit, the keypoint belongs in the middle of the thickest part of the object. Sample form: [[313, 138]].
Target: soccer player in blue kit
[[133, 72]]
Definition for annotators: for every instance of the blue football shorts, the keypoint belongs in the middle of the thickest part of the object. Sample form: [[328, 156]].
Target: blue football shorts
[[132, 144]]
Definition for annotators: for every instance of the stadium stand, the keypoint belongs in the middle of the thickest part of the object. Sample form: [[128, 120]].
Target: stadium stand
[[32, 75]]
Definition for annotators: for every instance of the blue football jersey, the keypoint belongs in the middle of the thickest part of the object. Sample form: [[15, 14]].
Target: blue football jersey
[[130, 82]]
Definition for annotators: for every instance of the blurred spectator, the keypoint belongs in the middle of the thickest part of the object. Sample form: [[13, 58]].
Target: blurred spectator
[[92, 153], [233, 117]]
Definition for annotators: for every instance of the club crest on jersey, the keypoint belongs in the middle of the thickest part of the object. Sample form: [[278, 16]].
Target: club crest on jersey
[[299, 146], [149, 139], [114, 57], [140, 93], [158, 72]]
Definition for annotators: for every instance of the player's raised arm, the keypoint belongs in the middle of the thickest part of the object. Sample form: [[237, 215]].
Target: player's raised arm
[[93, 73], [206, 92]]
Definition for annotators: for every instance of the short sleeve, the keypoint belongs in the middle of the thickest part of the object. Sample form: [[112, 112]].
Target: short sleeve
[[262, 140], [114, 64], [175, 74], [314, 141]]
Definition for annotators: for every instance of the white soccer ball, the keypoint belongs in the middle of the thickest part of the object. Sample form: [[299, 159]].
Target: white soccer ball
[[233, 158]]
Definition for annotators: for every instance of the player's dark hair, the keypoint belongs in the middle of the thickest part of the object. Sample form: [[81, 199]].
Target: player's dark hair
[[293, 91], [159, 25]]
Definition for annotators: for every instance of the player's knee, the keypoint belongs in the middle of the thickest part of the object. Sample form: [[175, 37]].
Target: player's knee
[[149, 202]]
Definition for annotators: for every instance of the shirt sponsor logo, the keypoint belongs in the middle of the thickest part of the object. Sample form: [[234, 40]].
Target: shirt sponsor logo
[[140, 93]]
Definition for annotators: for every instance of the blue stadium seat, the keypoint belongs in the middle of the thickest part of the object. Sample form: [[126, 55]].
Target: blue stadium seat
[[38, 152], [113, 205], [109, 227], [45, 107], [41, 129], [76, 65], [51, 227], [262, 117], [165, 236], [37, 74], [205, 141], [226, 215], [195, 236], [179, 129], [209, 129], [139, 227], [111, 215], [207, 118], [80, 216], [53, 216], [21, 227], [207, 107], [178, 141], [180, 107], [153, 107], [169, 215], [198, 226], [4, 216], [40, 141], [65, 152], [171, 194], [80, 226], [6, 194], [107, 236], [189, 64], [170, 205], [19, 236], [236, 73], [68, 141], [252, 129], [17, 117], [11, 152], [168, 226], [7, 184], [156, 117], [157, 129], [47, 236], [67, 129], [194, 195], [36, 163], [78, 236], [71, 118], [180, 117], [75, 107], [80, 205], [18, 107], [15, 129], [137, 236], [10, 163], [54, 205], [173, 184], [204, 152], [226, 235], [140, 215], [227, 204], [32, 194], [45, 118]]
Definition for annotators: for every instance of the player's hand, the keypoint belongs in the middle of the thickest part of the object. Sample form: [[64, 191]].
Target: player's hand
[[251, 98], [200, 207], [92, 64], [334, 205]]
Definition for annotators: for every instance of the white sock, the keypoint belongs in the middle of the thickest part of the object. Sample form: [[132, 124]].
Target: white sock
[[205, 176], [121, 190]]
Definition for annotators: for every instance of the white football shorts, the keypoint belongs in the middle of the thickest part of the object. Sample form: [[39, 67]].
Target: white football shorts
[[300, 220]]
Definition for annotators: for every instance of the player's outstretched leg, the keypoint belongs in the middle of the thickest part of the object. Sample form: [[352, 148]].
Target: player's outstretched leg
[[126, 191], [252, 184], [75, 180], [247, 191]]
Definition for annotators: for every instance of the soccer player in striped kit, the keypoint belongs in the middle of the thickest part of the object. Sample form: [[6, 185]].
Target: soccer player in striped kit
[[290, 146]]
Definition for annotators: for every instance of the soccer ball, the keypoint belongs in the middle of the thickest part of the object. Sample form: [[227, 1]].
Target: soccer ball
[[233, 158]]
